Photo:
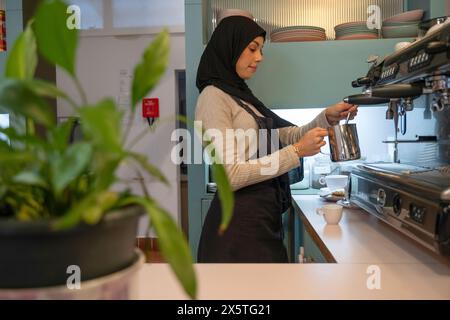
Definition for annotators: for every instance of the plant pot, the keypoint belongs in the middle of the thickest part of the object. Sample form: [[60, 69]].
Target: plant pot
[[33, 255], [120, 285]]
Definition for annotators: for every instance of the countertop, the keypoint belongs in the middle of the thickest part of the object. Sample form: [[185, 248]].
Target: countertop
[[373, 262], [361, 237]]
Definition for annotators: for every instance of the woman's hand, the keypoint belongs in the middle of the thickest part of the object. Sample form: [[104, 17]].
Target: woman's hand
[[340, 111], [311, 142]]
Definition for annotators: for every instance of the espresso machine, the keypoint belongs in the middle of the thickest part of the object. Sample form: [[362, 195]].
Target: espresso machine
[[411, 197]]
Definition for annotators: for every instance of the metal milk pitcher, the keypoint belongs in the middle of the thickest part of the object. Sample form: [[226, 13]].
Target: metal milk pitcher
[[343, 141]]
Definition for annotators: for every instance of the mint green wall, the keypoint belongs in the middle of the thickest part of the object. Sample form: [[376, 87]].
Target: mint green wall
[[433, 8], [437, 8], [196, 172], [314, 74]]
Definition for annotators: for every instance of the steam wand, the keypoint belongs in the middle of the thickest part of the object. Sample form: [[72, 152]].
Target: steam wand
[[392, 113]]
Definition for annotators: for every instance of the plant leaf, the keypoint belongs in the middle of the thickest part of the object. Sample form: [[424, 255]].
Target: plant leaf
[[102, 123], [15, 157], [173, 244], [103, 202], [151, 169], [59, 136], [225, 194], [66, 168], [17, 98], [105, 166], [56, 42], [13, 135], [152, 66], [45, 89], [90, 209], [30, 178], [21, 62]]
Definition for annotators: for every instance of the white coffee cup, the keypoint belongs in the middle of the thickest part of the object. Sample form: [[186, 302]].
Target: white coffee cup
[[334, 182], [332, 213]]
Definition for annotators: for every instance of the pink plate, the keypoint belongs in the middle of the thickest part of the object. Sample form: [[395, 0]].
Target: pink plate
[[358, 37], [297, 32], [317, 35], [298, 39], [350, 24], [413, 15]]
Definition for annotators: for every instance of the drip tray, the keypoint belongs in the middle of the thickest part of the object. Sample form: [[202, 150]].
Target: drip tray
[[397, 168]]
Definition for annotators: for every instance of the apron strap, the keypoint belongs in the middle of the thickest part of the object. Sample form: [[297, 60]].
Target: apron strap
[[259, 120], [281, 182]]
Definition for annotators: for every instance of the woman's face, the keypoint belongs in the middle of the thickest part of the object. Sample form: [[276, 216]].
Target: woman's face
[[250, 58]]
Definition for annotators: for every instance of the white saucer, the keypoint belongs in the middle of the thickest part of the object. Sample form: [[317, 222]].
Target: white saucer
[[325, 194]]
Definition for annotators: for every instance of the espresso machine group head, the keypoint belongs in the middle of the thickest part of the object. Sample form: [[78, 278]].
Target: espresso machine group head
[[421, 68]]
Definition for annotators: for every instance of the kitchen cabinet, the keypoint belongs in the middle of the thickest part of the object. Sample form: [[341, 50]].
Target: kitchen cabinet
[[298, 236], [312, 251], [206, 203]]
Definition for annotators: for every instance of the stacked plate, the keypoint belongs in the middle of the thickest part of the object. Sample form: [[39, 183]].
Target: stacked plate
[[224, 13], [298, 33], [355, 31], [403, 25]]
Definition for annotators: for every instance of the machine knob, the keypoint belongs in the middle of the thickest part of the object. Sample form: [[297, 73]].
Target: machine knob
[[361, 82], [397, 204], [437, 105], [381, 197]]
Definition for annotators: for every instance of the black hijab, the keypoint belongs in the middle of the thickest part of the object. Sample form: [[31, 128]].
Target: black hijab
[[218, 63]]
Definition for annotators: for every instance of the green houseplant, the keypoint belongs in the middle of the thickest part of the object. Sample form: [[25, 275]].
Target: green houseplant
[[56, 187]]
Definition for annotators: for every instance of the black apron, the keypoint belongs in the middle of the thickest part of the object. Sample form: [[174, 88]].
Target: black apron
[[255, 232]]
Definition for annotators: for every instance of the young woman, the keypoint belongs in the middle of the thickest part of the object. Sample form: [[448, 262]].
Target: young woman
[[261, 189]]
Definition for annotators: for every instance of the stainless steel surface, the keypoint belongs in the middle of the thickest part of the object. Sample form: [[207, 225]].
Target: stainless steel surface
[[445, 195], [348, 118], [413, 198], [396, 194], [420, 68], [430, 180], [344, 142]]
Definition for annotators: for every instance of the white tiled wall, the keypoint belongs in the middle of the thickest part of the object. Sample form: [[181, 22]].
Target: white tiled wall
[[373, 128]]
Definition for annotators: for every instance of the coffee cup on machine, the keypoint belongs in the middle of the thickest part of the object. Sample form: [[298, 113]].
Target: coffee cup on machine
[[334, 182]]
